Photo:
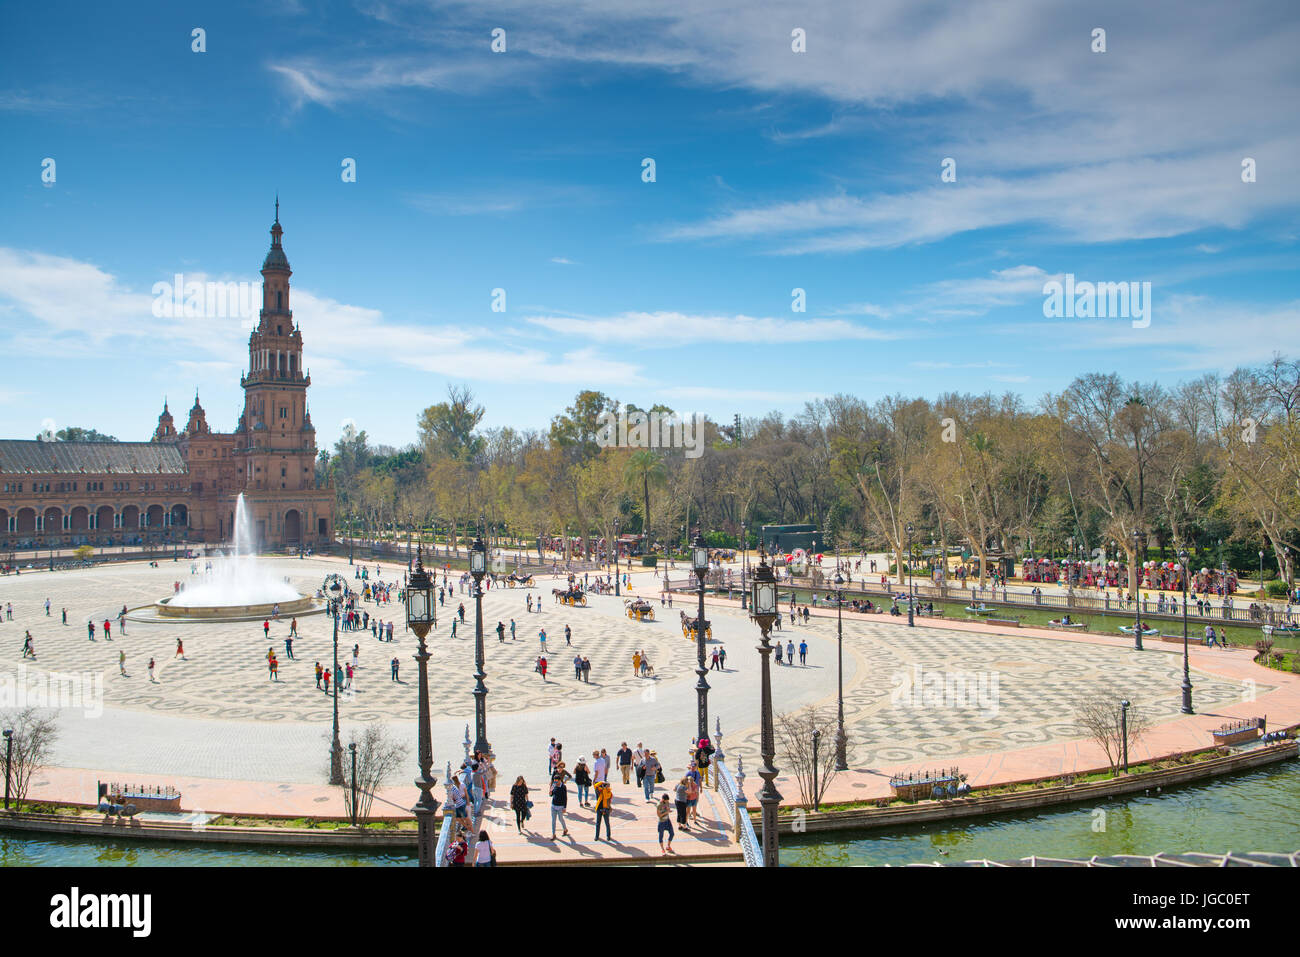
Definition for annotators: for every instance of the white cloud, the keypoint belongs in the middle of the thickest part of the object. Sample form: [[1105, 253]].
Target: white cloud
[[670, 329]]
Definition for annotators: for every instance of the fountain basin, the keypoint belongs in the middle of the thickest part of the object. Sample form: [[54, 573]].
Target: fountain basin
[[294, 606]]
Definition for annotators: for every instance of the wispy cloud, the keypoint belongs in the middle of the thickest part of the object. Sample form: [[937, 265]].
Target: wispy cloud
[[670, 329]]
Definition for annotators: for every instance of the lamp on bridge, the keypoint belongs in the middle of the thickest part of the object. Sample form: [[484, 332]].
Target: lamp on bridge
[[763, 610], [420, 618]]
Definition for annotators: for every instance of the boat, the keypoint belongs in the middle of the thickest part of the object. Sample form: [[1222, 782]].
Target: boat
[[1065, 623], [1128, 630]]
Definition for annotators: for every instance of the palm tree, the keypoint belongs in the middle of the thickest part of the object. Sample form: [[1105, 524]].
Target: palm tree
[[645, 465]]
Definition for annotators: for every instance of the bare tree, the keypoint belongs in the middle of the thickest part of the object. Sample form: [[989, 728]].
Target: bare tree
[[378, 756], [1100, 710], [34, 732], [795, 736]]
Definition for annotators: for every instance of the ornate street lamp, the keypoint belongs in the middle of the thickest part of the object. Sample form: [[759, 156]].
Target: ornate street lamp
[[700, 563], [352, 746], [336, 749], [1137, 592], [1187, 673], [763, 611], [477, 569], [9, 760], [911, 617], [841, 739], [1123, 729], [744, 543], [1261, 578], [420, 618], [617, 573]]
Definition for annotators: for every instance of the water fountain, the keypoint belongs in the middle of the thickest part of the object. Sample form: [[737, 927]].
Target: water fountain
[[238, 586]]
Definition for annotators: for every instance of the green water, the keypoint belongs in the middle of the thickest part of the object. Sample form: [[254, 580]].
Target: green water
[[21, 850], [1254, 811]]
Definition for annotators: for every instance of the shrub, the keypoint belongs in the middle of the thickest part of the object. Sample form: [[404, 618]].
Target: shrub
[[1275, 589], [649, 561], [83, 553]]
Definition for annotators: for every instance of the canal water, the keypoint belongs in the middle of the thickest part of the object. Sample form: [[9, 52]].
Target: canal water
[[1254, 811]]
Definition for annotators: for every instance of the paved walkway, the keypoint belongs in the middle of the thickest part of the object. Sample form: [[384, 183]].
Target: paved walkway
[[217, 728]]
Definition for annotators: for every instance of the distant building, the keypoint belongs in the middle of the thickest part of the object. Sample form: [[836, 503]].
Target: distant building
[[181, 486]]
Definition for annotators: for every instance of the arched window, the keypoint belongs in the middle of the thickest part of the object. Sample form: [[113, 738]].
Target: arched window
[[278, 298]]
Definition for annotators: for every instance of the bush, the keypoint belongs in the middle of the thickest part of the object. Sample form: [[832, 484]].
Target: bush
[[649, 561], [83, 553], [1275, 589]]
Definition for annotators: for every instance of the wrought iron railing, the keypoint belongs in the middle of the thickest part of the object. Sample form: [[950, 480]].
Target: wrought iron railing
[[732, 789]]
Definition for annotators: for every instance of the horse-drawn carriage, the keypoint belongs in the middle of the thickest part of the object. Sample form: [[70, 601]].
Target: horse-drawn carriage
[[640, 609], [570, 596], [522, 579], [688, 627]]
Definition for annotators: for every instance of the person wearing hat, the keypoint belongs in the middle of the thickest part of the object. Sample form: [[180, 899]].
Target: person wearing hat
[[582, 778]]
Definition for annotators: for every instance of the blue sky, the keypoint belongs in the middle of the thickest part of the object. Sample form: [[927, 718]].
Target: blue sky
[[522, 170]]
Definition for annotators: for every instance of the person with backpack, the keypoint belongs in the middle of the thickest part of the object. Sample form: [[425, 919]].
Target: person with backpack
[[703, 755], [604, 805], [582, 779], [457, 851]]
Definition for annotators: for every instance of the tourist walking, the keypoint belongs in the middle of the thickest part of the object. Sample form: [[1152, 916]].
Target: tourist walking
[[274, 667], [582, 780], [680, 799], [325, 677], [651, 769], [319, 672], [577, 667], [586, 670], [293, 627], [624, 758], [541, 666], [288, 648], [180, 650], [664, 813], [501, 632], [266, 627], [29, 651], [604, 805], [395, 665], [568, 634], [485, 855], [722, 658], [108, 636], [152, 679], [601, 768], [559, 800], [803, 652], [789, 653], [512, 629], [519, 803], [121, 663], [636, 664], [541, 637]]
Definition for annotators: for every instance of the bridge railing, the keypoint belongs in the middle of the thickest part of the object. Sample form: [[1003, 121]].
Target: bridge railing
[[732, 789]]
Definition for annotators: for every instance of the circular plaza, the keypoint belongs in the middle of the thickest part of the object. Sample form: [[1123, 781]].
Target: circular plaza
[[959, 694]]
